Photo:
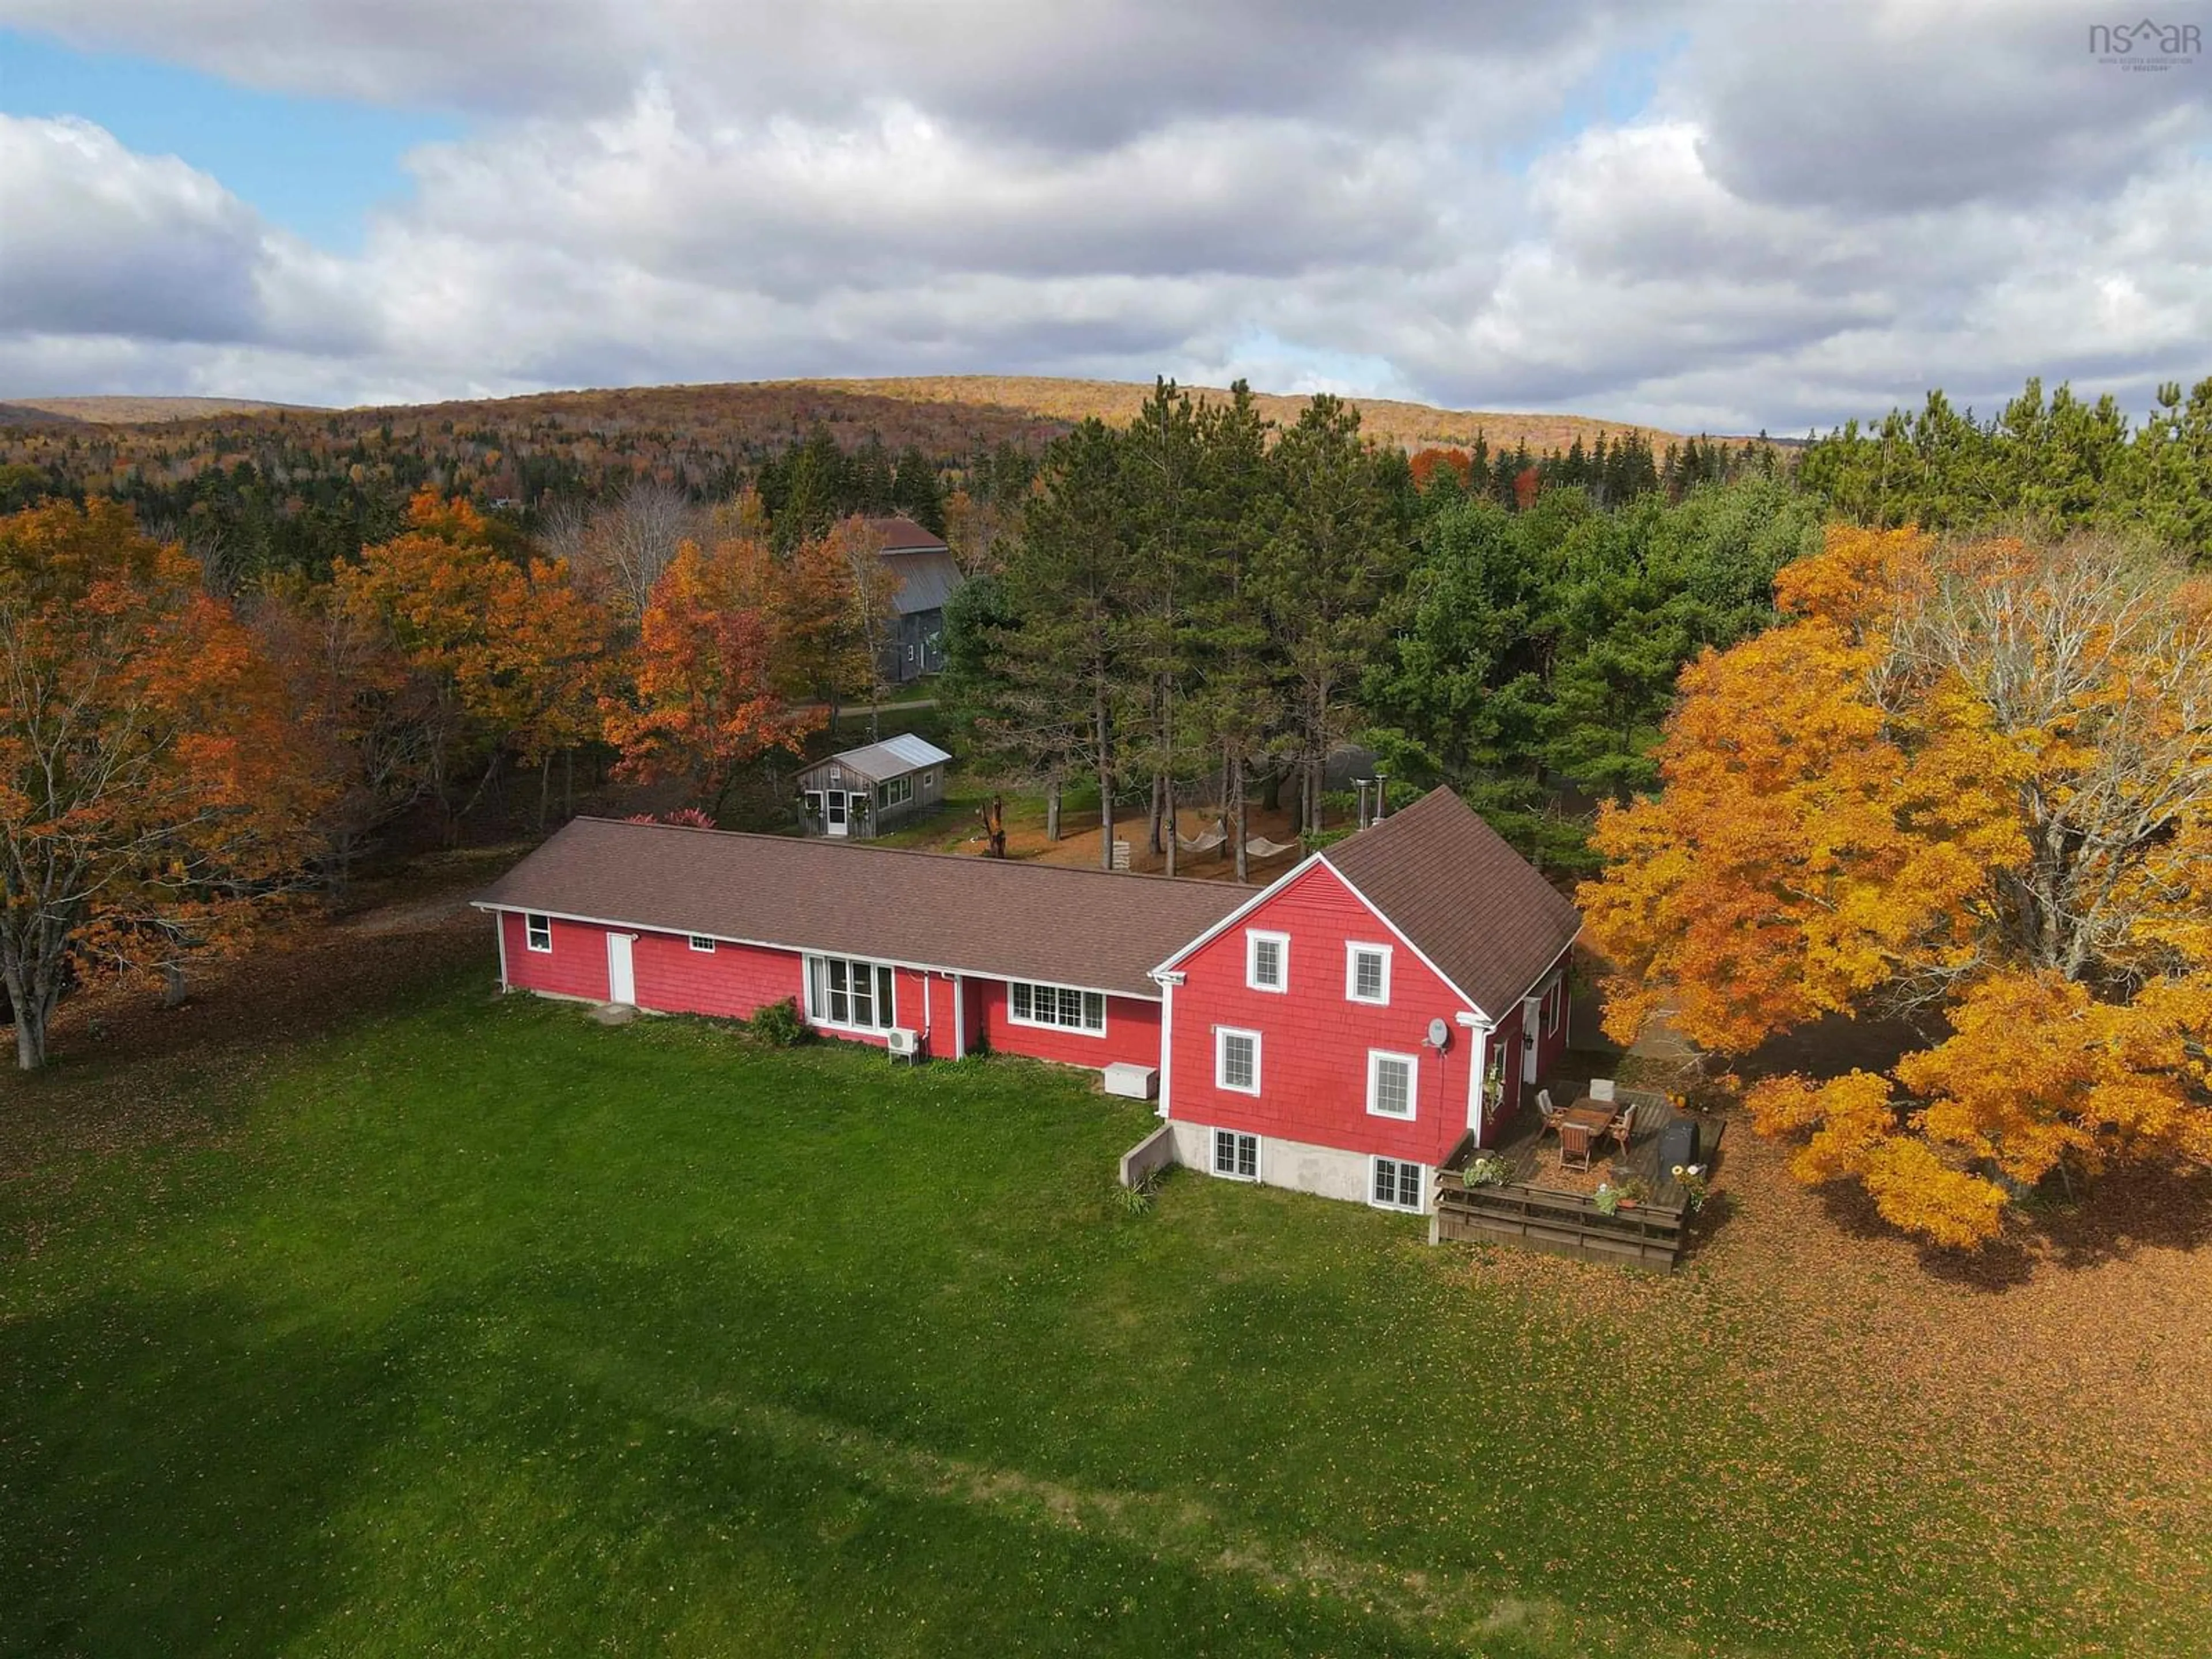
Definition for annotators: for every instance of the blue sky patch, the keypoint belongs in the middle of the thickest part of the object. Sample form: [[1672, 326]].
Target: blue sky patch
[[312, 166]]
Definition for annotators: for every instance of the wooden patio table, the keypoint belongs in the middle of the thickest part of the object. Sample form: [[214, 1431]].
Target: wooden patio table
[[1580, 1126], [1594, 1116]]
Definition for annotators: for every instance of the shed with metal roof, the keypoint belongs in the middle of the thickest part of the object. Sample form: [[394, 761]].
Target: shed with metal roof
[[862, 792]]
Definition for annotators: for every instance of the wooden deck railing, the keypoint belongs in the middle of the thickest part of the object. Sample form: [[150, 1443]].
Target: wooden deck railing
[[1650, 1233], [1645, 1235]]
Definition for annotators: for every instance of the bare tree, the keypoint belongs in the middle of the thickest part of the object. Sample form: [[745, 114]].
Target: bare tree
[[631, 541], [875, 589]]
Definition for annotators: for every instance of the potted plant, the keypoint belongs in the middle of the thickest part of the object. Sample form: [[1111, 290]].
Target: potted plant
[[1487, 1170], [1612, 1197], [1691, 1178]]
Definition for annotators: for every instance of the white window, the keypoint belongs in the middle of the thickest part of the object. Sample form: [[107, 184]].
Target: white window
[[1235, 1155], [1555, 1000], [896, 791], [1267, 961], [537, 933], [1367, 974], [927, 779], [814, 803], [1391, 1083], [1060, 1006], [1236, 1061], [1396, 1185], [702, 943], [850, 994]]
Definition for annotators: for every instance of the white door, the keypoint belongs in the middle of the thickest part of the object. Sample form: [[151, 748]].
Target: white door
[[835, 819], [622, 977], [1531, 1009]]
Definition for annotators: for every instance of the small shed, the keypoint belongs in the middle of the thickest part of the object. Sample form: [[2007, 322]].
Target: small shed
[[863, 792]]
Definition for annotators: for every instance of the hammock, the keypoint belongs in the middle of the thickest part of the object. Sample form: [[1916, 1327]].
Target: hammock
[[1261, 847], [1205, 843]]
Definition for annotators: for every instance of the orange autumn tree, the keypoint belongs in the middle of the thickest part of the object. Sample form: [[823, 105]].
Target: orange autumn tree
[[508, 657], [1970, 782], [709, 695], [151, 788]]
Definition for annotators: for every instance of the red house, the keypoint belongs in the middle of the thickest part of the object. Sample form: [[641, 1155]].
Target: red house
[[877, 945], [1344, 1030], [1340, 1031]]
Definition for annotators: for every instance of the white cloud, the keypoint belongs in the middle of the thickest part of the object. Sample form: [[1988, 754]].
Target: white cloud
[[1793, 215]]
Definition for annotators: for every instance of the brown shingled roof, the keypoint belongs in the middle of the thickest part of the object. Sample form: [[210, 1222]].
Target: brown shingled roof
[[903, 535], [1467, 901], [1091, 928]]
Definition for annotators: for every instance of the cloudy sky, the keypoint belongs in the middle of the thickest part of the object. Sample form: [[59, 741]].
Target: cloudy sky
[[1711, 215]]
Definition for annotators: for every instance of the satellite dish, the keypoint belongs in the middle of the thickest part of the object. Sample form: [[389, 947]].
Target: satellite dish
[[1439, 1035]]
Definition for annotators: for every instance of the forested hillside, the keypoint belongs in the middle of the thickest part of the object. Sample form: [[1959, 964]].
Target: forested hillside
[[262, 489]]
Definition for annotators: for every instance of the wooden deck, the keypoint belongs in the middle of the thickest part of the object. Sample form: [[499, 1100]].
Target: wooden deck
[[1544, 1207]]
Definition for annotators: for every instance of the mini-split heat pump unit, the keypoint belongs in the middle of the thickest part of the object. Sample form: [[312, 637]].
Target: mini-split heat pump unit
[[903, 1044]]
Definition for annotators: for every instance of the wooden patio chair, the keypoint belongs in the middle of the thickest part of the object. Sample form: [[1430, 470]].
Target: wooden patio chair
[[1623, 1126], [1574, 1146]]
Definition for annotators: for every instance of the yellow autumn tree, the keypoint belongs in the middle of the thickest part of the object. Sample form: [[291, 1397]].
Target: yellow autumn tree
[[1970, 781]]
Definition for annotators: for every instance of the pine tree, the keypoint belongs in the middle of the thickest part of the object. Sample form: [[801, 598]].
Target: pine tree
[[1326, 567]]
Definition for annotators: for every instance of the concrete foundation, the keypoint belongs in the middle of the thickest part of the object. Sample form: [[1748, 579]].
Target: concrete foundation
[[1325, 1171]]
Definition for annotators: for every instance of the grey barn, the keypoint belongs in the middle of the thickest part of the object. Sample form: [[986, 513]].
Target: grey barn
[[863, 792], [927, 578]]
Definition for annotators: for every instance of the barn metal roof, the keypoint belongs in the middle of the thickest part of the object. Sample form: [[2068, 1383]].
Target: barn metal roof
[[889, 758], [926, 581]]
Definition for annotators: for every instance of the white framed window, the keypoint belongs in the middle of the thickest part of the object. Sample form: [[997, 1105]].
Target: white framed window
[[927, 779], [1267, 960], [850, 994], [537, 933], [1236, 1061], [702, 943], [895, 792], [1235, 1155], [1555, 1000], [1396, 1184], [1393, 1084], [1061, 1006], [1367, 974], [813, 803]]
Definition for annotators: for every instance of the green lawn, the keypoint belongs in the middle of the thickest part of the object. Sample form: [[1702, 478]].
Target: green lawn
[[492, 1330]]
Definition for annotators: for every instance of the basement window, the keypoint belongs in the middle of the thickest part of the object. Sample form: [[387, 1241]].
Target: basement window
[[1235, 1155], [1396, 1185]]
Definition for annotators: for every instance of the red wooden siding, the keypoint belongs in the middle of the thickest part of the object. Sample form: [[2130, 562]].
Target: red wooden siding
[[1315, 1041], [734, 981], [1132, 1031], [575, 966], [1549, 1050]]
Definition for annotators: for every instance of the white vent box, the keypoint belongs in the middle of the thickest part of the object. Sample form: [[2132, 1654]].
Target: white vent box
[[1134, 1082]]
